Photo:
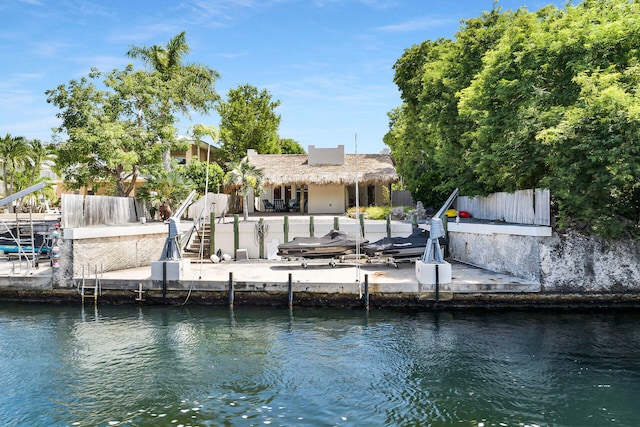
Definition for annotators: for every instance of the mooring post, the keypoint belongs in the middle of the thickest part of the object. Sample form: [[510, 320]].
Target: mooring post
[[362, 225], [286, 228], [414, 221], [212, 233], [230, 289], [311, 227], [366, 291], [437, 285], [290, 291], [336, 223]]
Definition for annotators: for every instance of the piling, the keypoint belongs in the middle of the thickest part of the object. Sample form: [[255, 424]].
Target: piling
[[164, 279], [336, 223], [362, 225], [290, 291], [311, 227], [437, 285], [231, 296], [366, 291]]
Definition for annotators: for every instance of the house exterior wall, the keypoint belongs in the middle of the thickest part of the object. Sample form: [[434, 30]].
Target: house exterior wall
[[326, 156], [326, 199]]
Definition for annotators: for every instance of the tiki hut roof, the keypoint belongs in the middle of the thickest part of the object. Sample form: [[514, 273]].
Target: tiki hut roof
[[288, 169]]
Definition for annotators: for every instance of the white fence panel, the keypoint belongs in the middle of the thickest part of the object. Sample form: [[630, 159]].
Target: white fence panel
[[214, 202], [520, 207]]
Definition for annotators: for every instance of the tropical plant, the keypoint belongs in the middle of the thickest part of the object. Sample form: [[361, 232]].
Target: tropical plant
[[244, 177], [14, 157], [164, 190]]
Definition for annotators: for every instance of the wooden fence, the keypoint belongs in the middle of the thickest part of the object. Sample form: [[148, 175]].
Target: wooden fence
[[87, 211], [401, 198], [521, 207]]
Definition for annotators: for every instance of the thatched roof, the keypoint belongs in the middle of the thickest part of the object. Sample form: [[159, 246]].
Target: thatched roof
[[288, 169]]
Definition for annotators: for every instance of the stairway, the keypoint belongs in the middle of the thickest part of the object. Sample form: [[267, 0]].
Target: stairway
[[192, 250]]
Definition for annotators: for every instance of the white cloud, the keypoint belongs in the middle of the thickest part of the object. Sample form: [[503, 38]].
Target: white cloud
[[416, 25]]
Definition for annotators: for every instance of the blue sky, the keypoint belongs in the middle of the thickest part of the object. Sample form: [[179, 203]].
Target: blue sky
[[329, 62]]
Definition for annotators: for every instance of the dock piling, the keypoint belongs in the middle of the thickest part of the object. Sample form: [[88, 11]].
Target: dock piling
[[366, 291], [231, 296], [290, 291]]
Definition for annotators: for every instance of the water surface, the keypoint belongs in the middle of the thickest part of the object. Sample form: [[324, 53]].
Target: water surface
[[204, 366]]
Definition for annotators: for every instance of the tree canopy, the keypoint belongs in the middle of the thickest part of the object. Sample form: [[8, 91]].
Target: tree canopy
[[526, 99], [247, 121], [118, 125]]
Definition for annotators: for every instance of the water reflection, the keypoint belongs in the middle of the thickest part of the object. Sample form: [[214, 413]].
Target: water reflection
[[253, 366]]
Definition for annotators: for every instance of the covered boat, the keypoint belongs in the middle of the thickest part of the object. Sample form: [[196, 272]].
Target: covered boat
[[333, 244]]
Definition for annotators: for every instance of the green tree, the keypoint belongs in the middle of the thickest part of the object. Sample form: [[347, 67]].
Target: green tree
[[196, 172], [290, 146], [193, 85], [14, 157], [244, 176], [113, 134], [525, 99], [247, 121]]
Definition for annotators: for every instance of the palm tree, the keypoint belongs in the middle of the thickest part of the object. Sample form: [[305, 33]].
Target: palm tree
[[194, 82], [165, 190], [14, 154], [245, 177]]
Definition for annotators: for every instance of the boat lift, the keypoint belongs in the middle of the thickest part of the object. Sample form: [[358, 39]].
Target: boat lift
[[12, 198]]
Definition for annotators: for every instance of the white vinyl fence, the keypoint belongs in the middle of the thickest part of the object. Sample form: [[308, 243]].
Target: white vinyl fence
[[214, 202], [520, 207]]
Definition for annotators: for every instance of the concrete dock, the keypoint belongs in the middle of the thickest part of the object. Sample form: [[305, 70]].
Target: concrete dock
[[260, 282]]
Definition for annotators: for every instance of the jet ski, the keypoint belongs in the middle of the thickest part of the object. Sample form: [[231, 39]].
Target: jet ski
[[399, 247], [334, 244]]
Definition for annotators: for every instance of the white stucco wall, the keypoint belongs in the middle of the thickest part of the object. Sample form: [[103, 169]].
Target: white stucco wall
[[326, 199]]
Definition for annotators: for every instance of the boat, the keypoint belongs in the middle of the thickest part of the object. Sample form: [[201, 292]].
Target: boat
[[334, 244], [399, 247]]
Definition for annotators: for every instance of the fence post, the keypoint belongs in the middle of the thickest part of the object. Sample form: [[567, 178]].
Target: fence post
[[261, 237], [236, 234], [389, 225], [286, 229]]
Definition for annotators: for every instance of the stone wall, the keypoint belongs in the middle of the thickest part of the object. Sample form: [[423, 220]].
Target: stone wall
[[562, 263], [575, 263], [102, 249]]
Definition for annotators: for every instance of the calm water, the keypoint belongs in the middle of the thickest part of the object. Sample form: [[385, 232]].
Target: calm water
[[206, 366]]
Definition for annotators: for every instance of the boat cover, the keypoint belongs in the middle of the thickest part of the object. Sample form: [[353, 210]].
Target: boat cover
[[332, 244]]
